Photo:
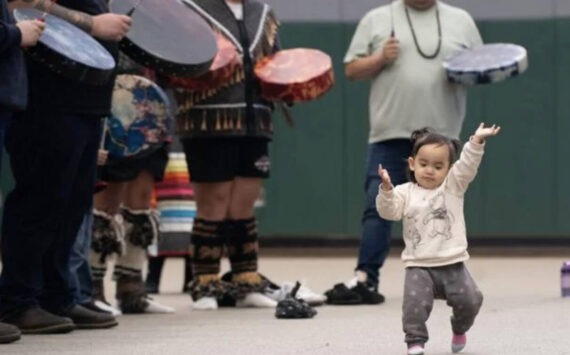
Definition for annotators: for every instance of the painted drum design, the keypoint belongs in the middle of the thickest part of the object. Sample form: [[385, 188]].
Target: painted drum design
[[140, 118], [294, 75]]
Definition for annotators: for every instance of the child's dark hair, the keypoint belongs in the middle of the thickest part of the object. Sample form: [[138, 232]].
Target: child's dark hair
[[427, 136]]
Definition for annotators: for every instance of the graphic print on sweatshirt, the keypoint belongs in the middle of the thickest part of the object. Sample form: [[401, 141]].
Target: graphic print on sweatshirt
[[439, 219]]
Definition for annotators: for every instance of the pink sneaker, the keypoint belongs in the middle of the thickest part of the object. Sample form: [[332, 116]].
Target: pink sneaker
[[458, 342], [416, 350]]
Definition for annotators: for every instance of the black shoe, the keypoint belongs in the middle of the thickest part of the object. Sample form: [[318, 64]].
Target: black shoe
[[93, 307], [35, 320], [87, 319], [151, 288], [367, 293], [9, 333], [341, 295], [294, 308]]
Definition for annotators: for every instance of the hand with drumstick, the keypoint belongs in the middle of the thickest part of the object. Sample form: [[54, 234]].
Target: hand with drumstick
[[112, 27], [31, 31]]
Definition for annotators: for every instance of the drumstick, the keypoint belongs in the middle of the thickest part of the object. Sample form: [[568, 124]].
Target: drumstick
[[130, 13], [102, 146], [287, 113], [47, 11], [392, 32]]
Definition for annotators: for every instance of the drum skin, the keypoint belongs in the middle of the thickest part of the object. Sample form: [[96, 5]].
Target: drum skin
[[489, 63], [167, 36], [140, 118], [221, 73], [295, 75], [68, 50]]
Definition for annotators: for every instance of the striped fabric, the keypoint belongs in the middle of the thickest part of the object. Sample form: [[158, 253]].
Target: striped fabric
[[175, 202]]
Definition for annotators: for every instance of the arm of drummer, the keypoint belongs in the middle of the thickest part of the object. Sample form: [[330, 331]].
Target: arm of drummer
[[110, 27], [368, 52]]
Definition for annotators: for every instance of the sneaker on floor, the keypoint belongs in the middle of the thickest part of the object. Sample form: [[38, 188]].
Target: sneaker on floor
[[107, 308], [306, 294], [205, 304], [84, 318], [367, 293], [416, 350], [157, 308], [9, 333], [35, 320], [257, 300], [458, 343], [342, 295]]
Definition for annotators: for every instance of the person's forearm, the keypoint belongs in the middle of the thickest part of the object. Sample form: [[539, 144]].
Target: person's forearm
[[364, 68], [79, 19]]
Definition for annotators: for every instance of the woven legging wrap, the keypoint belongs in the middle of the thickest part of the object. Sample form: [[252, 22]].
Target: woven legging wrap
[[242, 243], [108, 238]]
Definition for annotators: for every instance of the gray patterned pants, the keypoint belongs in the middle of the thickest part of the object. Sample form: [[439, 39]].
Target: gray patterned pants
[[452, 283]]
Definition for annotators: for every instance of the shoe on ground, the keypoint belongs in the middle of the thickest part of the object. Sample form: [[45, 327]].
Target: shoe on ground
[[342, 295], [367, 293], [35, 320], [416, 350], [93, 307], [107, 308], [304, 293], [205, 304], [156, 308], [458, 342], [84, 318], [9, 333], [256, 300]]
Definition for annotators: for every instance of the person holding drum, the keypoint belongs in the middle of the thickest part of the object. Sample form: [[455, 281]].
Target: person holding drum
[[53, 148], [122, 212], [401, 47], [225, 133], [13, 91]]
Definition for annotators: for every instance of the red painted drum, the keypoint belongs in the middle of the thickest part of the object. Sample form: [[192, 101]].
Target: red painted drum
[[224, 70], [293, 75]]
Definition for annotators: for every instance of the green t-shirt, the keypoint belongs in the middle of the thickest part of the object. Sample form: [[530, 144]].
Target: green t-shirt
[[413, 92]]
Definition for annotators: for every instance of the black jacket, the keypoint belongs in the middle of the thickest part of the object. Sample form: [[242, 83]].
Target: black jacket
[[13, 80]]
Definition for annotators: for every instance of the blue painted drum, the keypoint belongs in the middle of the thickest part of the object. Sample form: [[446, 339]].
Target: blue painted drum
[[68, 50], [140, 118], [489, 63]]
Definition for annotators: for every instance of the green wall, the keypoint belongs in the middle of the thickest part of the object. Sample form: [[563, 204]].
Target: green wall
[[316, 187]]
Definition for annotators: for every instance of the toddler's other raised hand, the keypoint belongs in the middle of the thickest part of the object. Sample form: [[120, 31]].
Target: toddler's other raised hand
[[483, 132]]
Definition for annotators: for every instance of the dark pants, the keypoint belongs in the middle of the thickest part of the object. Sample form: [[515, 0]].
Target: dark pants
[[53, 158], [5, 119], [375, 238]]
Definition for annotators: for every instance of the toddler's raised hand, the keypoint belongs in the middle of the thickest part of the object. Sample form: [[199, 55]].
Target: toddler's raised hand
[[483, 132], [385, 177]]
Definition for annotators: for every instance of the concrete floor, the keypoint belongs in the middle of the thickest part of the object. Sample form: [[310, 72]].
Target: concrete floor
[[523, 313]]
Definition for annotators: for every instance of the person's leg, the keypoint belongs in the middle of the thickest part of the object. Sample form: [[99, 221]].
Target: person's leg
[[464, 297], [5, 119], [79, 262], [419, 291], [141, 230], [375, 238], [155, 265], [107, 234]]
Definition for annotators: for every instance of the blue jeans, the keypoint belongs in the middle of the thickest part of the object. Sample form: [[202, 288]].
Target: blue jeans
[[79, 262], [53, 157], [375, 238]]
